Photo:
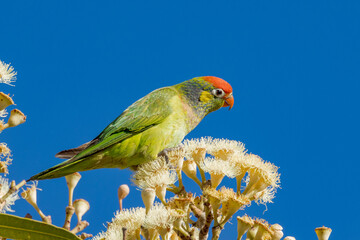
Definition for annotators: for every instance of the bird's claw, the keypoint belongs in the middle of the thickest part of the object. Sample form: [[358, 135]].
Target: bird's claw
[[164, 153]]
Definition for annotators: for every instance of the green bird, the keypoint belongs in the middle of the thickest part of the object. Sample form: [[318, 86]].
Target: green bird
[[148, 127]]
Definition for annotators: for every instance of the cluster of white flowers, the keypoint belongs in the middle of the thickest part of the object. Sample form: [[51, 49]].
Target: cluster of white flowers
[[131, 219], [5, 206], [8, 192], [5, 158], [230, 158], [174, 218], [7, 73]]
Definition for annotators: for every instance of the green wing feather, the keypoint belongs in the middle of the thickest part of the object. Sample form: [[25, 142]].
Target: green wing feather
[[145, 113]]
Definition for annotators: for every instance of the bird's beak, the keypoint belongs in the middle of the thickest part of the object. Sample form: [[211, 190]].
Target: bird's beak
[[229, 101]]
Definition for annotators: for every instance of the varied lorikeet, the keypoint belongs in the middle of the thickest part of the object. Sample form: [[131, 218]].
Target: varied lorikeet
[[158, 121]]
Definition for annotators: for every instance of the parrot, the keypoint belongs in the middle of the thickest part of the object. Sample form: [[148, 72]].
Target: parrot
[[147, 128]]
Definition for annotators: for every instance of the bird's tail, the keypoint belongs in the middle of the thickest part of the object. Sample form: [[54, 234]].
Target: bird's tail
[[63, 169], [69, 153]]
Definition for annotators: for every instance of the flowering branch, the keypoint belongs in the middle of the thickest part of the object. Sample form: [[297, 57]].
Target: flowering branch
[[206, 161], [13, 189]]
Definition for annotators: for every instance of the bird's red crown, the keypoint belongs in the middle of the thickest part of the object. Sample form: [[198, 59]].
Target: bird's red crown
[[219, 83]]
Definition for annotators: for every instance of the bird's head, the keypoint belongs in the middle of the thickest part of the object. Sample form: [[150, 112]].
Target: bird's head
[[207, 94], [221, 90]]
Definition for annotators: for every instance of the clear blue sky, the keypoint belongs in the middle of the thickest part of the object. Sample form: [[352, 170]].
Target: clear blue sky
[[293, 65]]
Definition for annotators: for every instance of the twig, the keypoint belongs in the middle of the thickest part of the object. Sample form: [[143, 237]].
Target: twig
[[80, 226], [200, 215], [216, 232], [204, 232], [13, 188], [85, 235], [181, 235], [124, 230], [44, 218], [70, 210], [176, 190]]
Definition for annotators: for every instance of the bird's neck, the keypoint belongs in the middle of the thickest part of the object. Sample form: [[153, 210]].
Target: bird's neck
[[191, 92]]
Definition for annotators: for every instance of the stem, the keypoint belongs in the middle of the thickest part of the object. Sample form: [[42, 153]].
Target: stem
[[120, 204], [216, 232], [202, 173], [80, 226], [174, 189], [179, 173], [44, 218], [71, 194], [204, 232], [182, 236], [85, 235], [13, 188], [198, 182], [187, 220], [124, 233], [199, 157], [70, 210], [200, 215]]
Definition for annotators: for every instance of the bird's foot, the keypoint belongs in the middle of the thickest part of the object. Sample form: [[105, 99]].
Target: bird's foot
[[164, 153]]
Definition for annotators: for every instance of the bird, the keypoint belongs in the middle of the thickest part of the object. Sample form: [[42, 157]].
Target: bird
[[147, 128]]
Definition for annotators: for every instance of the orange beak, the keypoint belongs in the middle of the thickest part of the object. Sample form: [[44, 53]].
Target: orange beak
[[229, 101]]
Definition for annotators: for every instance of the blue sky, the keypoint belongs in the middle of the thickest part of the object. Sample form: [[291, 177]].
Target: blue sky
[[293, 65]]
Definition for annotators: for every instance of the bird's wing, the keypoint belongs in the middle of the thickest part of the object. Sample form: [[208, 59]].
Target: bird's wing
[[69, 153], [145, 113]]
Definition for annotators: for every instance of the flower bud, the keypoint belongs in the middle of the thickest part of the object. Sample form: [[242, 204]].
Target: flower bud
[[161, 193], [277, 229], [16, 118], [71, 181], [189, 168], [5, 101], [148, 197], [323, 233], [123, 191], [81, 207]]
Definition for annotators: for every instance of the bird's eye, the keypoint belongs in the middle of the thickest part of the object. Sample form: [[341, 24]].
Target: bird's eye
[[218, 92]]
